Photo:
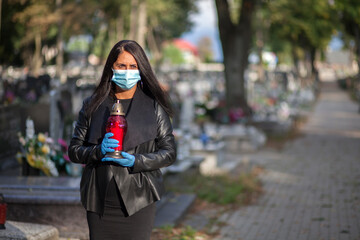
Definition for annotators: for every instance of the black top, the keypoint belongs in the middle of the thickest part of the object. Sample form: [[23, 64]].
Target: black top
[[125, 103]]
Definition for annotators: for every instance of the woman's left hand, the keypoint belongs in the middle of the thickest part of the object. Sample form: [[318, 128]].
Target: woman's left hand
[[127, 161]]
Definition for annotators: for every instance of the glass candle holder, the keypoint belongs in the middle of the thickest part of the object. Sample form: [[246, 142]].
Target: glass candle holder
[[117, 125]]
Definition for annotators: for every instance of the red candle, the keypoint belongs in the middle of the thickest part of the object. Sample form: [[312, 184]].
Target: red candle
[[117, 125]]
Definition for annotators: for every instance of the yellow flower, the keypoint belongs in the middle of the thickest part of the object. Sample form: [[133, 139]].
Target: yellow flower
[[45, 149], [41, 138], [30, 159], [46, 171]]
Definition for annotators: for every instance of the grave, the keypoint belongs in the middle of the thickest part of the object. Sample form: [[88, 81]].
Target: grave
[[46, 200], [213, 154], [56, 201], [22, 231]]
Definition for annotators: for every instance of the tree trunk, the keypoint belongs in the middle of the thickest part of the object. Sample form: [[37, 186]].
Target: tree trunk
[[141, 27], [154, 48], [60, 56], [260, 46], [90, 49], [133, 19], [308, 64], [295, 60], [236, 41], [59, 42], [120, 28], [314, 70], [0, 16], [357, 46], [104, 44], [112, 33], [37, 61]]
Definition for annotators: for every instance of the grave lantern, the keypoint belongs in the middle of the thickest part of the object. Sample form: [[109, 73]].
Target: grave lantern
[[117, 125], [3, 207]]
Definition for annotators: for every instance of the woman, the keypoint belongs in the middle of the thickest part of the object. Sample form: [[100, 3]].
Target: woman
[[120, 194]]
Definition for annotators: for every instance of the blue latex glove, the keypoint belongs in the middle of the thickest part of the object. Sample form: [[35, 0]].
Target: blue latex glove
[[108, 144], [127, 161]]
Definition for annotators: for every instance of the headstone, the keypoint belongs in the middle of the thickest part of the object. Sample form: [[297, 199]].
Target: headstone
[[187, 113], [10, 122], [22, 230], [55, 118]]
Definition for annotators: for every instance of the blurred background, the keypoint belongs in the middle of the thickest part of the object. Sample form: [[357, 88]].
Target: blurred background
[[235, 69], [221, 61]]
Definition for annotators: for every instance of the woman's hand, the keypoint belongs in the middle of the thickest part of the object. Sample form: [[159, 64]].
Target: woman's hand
[[127, 161], [108, 144]]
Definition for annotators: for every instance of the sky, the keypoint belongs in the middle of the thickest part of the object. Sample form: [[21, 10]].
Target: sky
[[205, 25]]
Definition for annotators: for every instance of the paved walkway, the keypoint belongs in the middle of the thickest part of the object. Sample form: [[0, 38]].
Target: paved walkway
[[312, 187]]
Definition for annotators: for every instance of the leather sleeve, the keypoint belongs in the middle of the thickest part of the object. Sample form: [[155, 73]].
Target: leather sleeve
[[79, 150], [165, 144]]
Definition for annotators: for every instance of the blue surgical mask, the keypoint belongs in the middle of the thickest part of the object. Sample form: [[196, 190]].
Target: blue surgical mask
[[126, 79]]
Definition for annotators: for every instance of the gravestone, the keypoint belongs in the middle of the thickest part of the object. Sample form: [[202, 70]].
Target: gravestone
[[9, 127], [187, 113], [60, 110], [55, 118]]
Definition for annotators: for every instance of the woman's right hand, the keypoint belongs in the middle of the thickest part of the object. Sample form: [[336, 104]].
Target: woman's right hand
[[108, 144]]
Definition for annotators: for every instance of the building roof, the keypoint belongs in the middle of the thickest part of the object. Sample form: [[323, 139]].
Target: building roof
[[185, 45]]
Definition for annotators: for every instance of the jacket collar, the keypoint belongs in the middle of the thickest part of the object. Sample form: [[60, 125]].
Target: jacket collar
[[141, 120]]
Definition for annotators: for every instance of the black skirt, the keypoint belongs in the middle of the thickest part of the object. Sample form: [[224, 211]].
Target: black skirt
[[115, 222]]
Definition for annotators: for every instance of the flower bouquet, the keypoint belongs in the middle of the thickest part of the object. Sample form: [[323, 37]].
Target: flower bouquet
[[39, 153], [36, 151]]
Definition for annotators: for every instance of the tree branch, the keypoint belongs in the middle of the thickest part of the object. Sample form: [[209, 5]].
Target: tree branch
[[223, 13], [246, 11]]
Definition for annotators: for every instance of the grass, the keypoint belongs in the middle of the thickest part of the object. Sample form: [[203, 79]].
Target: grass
[[224, 189], [218, 189], [181, 233], [219, 193]]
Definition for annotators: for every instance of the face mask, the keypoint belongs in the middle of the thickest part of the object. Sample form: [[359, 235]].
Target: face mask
[[126, 79]]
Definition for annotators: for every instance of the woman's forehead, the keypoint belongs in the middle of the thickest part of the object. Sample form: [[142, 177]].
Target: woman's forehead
[[125, 57]]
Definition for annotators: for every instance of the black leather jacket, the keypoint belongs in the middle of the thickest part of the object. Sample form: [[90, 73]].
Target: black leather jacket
[[139, 185]]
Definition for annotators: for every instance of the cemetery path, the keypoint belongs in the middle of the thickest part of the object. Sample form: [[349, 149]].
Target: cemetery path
[[312, 185]]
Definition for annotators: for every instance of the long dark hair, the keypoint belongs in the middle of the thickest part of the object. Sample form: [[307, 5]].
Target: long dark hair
[[150, 84]]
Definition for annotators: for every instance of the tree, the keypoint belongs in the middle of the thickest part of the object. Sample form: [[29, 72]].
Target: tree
[[10, 49], [349, 11], [172, 55], [38, 16], [235, 27], [307, 27], [205, 49], [146, 21], [59, 41], [261, 26], [163, 26], [31, 24], [138, 16]]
